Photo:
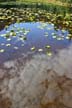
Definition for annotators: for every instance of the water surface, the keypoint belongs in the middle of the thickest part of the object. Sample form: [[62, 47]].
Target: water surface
[[31, 38]]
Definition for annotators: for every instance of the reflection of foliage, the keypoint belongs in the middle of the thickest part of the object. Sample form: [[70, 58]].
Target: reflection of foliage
[[9, 16], [58, 15]]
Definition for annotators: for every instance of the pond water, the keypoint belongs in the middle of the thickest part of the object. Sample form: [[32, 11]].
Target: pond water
[[26, 80], [31, 38], [30, 31]]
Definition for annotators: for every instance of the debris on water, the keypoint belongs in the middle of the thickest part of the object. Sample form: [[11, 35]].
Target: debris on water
[[46, 34], [8, 39], [47, 46], [8, 45]]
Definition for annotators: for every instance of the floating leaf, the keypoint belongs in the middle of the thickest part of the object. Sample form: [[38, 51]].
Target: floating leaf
[[52, 24], [40, 50], [12, 31], [49, 53], [67, 37], [59, 38], [49, 28], [63, 31], [24, 38], [33, 48], [46, 35], [2, 50], [48, 46], [8, 39], [8, 45], [7, 35], [3, 35], [53, 34], [54, 37], [16, 47]]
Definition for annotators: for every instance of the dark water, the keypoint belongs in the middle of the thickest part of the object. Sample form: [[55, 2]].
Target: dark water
[[31, 38]]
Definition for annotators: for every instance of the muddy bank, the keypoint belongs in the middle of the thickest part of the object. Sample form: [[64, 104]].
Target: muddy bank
[[42, 82]]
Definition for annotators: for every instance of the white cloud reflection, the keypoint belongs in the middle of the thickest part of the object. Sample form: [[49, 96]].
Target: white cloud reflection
[[42, 82]]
